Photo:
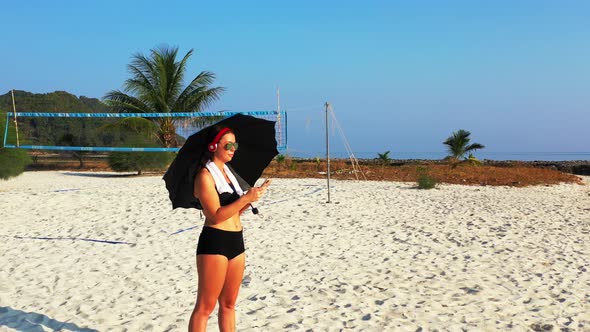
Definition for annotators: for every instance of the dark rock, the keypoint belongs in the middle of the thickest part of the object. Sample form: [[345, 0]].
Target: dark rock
[[470, 290], [541, 327], [578, 167]]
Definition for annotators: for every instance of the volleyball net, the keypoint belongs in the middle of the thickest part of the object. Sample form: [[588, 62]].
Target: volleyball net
[[125, 132]]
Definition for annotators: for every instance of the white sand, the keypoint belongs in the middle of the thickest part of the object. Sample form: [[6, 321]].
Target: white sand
[[381, 256]]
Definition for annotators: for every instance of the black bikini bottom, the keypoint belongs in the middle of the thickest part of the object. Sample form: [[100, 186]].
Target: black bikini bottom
[[213, 241]]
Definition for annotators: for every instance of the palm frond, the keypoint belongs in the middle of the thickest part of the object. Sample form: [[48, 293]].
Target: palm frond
[[140, 84], [181, 68], [198, 100], [123, 103], [164, 59], [474, 146], [145, 66], [201, 83]]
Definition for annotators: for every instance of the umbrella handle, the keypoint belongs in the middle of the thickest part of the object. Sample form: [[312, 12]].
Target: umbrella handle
[[254, 210]]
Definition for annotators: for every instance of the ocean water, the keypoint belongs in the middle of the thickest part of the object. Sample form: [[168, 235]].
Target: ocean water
[[521, 156]]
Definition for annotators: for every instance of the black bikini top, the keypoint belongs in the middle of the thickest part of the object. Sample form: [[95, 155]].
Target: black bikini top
[[224, 198], [227, 198]]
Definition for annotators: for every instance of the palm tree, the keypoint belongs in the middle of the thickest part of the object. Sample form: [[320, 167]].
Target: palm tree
[[383, 157], [156, 86], [458, 144]]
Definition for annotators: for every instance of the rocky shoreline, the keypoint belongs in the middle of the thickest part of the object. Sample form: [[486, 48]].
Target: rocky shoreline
[[577, 167]]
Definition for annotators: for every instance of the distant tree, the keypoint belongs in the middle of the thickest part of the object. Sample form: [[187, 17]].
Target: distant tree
[[51, 131], [383, 157], [70, 139], [136, 132], [81, 134], [458, 144], [156, 87]]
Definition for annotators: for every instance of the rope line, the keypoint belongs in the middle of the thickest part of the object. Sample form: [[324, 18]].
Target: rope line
[[356, 168]]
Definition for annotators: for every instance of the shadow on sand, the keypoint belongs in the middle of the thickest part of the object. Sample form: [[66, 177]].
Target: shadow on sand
[[71, 239], [34, 322], [102, 175]]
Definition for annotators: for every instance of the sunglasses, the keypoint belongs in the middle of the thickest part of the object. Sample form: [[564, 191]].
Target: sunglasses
[[230, 145]]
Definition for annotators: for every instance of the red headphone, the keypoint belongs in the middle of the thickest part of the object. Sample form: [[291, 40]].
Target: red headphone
[[213, 145]]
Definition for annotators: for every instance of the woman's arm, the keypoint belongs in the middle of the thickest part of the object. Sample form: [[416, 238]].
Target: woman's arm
[[244, 209]]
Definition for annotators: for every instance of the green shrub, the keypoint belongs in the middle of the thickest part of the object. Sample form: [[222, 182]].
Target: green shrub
[[281, 160], [139, 161], [318, 163], [13, 162], [137, 132], [473, 161], [425, 180]]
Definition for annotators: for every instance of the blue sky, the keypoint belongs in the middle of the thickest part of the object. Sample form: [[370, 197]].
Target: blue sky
[[401, 75]]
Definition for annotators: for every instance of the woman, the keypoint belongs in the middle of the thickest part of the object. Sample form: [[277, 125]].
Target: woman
[[220, 252]]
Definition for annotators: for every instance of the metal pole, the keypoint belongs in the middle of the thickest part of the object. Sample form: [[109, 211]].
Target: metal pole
[[6, 128], [15, 122], [328, 150], [279, 129]]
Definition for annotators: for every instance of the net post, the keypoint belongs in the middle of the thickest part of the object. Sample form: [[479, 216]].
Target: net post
[[279, 116], [285, 131], [15, 122], [327, 105], [6, 128]]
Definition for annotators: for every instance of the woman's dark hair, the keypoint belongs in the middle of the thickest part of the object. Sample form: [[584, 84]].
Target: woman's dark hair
[[207, 155]]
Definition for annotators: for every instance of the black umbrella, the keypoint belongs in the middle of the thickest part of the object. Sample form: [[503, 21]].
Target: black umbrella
[[258, 147]]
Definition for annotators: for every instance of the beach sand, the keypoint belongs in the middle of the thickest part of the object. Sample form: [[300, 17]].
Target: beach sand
[[382, 256]]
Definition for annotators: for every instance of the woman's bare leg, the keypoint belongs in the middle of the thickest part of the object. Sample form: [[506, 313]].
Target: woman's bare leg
[[212, 270], [229, 293]]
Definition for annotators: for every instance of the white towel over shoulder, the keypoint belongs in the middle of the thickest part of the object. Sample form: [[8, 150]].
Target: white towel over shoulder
[[220, 183]]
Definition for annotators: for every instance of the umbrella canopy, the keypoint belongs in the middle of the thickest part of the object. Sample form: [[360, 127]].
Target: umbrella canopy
[[258, 147]]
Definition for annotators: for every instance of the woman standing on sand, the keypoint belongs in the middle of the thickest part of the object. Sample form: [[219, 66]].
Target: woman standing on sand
[[220, 252]]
